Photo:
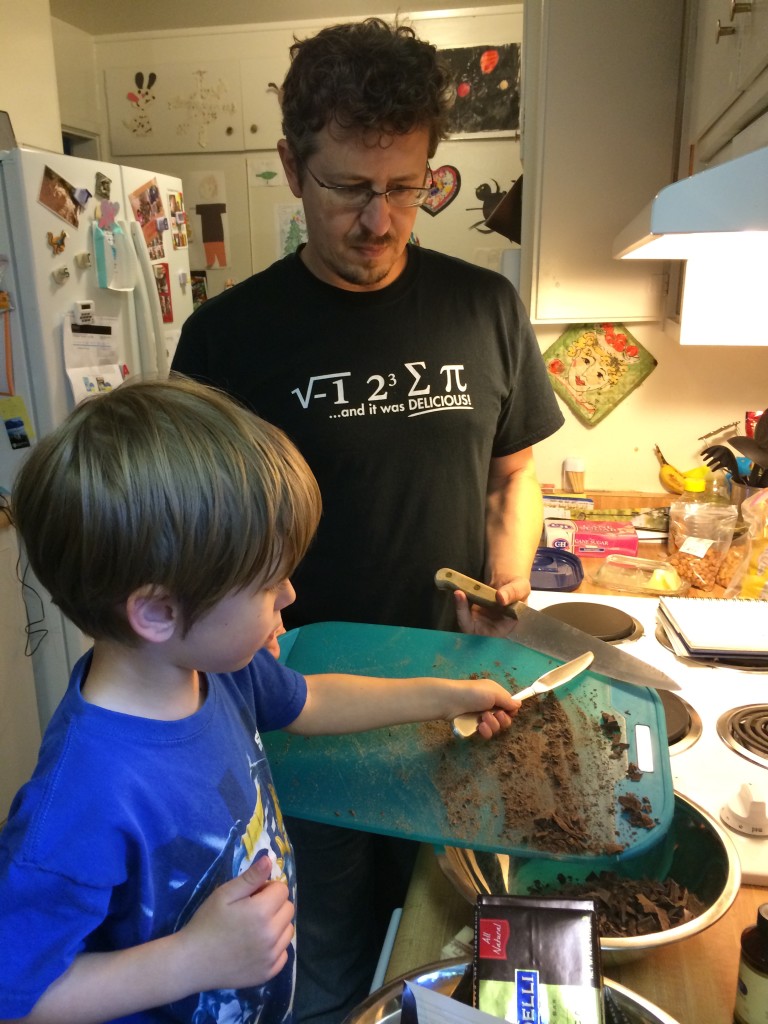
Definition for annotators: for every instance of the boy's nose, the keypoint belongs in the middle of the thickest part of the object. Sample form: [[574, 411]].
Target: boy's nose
[[286, 595]]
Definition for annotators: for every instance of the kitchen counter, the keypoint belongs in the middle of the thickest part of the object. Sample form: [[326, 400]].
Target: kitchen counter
[[693, 980], [656, 550]]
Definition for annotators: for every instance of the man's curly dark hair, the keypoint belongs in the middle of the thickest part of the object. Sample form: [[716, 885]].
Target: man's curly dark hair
[[368, 77]]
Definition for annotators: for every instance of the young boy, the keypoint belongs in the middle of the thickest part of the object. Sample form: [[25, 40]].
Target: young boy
[[145, 873]]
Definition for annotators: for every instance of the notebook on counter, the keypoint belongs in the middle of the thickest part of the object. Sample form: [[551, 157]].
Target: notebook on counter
[[716, 628]]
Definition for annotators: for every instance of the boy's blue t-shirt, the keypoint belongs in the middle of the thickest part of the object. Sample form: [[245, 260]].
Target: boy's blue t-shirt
[[128, 824]]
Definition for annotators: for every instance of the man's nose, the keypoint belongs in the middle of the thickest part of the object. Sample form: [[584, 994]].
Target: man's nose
[[376, 216]]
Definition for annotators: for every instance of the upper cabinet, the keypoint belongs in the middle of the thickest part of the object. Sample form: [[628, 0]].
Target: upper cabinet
[[728, 79], [600, 138]]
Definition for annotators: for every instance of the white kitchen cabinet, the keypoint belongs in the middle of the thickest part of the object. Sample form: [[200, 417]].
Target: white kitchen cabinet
[[262, 121], [19, 725], [728, 85], [600, 117]]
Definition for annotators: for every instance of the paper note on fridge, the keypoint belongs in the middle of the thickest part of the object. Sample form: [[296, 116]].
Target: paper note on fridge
[[91, 355]]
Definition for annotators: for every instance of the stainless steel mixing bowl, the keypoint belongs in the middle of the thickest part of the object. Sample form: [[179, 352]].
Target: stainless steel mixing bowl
[[696, 851], [383, 1005]]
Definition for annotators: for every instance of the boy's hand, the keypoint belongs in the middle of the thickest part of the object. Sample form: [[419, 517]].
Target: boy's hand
[[482, 694], [239, 936]]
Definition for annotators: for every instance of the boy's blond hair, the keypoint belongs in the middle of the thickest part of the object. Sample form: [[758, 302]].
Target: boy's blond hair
[[164, 483]]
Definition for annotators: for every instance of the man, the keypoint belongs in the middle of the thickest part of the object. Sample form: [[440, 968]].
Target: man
[[413, 385]]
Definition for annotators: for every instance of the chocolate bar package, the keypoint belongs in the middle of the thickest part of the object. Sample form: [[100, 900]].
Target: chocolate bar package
[[537, 960]]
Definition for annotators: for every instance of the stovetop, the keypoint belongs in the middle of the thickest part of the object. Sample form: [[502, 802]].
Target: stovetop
[[706, 767]]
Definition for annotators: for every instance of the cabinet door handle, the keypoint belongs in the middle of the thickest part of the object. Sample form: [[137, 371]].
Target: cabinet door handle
[[724, 30], [743, 7]]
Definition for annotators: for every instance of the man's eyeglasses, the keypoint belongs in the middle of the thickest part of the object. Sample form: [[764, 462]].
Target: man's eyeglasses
[[355, 197]]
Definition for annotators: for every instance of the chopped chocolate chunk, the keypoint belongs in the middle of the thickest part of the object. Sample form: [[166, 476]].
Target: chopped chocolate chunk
[[629, 907]]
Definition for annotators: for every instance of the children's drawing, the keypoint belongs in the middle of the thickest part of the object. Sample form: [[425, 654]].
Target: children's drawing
[[291, 227], [487, 80], [204, 105], [593, 367], [141, 98], [207, 195], [446, 186]]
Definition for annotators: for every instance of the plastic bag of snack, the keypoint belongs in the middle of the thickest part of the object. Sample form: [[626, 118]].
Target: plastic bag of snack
[[700, 535], [750, 579]]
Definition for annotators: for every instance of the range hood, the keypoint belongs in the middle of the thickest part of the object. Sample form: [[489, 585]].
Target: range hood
[[717, 221], [698, 215]]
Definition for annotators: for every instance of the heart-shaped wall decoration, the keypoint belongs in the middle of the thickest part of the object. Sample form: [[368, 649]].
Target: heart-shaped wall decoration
[[447, 182]]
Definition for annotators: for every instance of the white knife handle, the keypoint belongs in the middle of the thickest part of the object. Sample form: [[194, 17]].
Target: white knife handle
[[480, 593]]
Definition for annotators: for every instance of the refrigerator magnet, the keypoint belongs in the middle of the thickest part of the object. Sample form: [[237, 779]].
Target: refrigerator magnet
[[57, 242]]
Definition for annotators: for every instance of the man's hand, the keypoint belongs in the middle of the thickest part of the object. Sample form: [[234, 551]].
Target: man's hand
[[484, 621]]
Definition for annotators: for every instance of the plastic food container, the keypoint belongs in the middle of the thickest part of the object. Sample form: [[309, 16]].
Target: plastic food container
[[634, 575], [556, 570]]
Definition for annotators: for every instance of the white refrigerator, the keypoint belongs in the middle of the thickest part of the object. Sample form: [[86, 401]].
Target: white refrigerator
[[94, 287]]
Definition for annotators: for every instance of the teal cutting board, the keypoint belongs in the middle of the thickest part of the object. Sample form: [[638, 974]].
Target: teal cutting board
[[557, 764]]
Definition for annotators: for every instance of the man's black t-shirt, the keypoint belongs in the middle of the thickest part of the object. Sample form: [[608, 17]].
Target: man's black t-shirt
[[398, 398]]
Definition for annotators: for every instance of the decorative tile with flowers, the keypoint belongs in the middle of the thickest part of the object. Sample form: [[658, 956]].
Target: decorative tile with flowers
[[593, 367]]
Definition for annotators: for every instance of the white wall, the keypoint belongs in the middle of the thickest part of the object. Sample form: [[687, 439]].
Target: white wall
[[28, 88]]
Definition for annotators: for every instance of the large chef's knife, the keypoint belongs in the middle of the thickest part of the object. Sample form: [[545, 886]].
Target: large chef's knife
[[548, 635]]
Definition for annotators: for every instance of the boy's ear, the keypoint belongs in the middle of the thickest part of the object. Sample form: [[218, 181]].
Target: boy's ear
[[152, 613]]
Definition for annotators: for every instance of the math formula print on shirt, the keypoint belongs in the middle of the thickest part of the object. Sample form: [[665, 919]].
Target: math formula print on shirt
[[442, 392]]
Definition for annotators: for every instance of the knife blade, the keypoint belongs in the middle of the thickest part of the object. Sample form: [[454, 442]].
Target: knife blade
[[547, 635], [466, 725]]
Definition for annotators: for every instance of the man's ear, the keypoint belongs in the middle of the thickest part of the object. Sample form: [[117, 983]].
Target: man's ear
[[153, 613], [290, 166]]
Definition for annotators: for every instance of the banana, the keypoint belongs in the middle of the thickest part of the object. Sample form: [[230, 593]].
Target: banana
[[672, 479]]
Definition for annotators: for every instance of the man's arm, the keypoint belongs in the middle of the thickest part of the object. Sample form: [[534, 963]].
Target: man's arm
[[513, 522]]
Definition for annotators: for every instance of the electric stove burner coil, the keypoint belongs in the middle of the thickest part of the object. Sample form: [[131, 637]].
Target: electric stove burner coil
[[745, 730], [684, 726]]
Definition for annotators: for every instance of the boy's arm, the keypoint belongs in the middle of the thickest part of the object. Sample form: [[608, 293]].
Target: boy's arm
[[237, 939], [339, 703]]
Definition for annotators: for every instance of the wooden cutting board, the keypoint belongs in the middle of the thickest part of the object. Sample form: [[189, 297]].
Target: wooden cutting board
[[555, 777]]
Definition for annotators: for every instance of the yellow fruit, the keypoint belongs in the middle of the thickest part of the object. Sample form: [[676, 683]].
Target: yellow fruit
[[672, 479]]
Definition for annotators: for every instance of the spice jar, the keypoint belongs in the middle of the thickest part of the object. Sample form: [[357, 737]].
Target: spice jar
[[752, 989]]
